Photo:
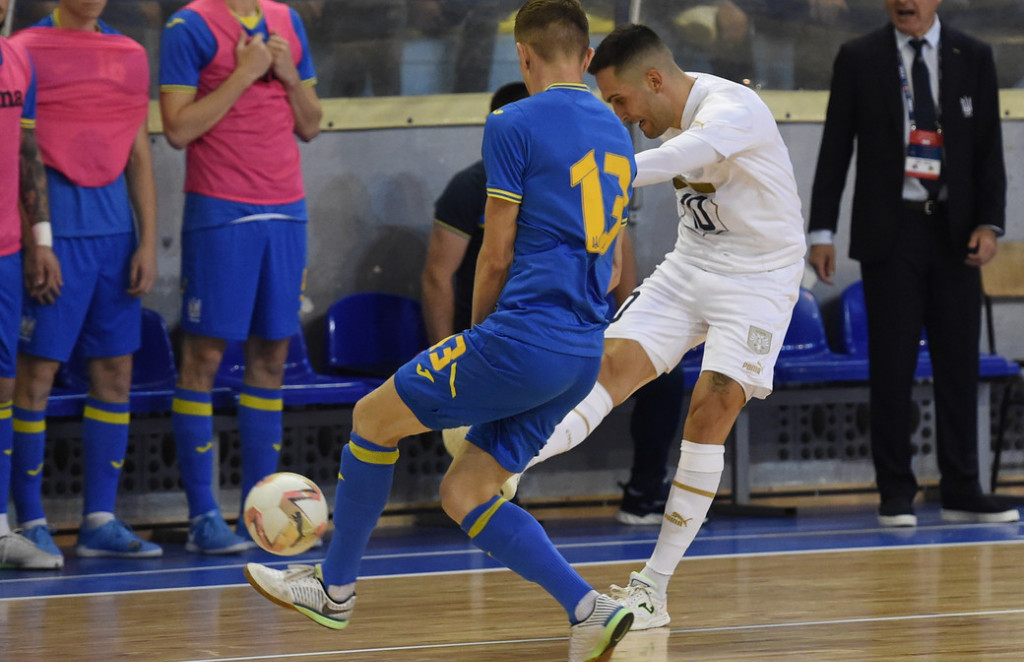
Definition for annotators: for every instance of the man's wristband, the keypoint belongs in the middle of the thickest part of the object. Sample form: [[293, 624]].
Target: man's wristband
[[43, 232]]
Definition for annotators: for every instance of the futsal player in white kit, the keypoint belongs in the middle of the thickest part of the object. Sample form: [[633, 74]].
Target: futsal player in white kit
[[731, 281]]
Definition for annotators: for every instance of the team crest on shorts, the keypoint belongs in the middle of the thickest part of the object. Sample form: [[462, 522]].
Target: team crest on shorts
[[195, 309], [759, 340], [28, 328]]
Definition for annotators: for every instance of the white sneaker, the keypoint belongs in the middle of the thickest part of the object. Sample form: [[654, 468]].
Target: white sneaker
[[19, 553], [455, 443], [594, 638], [640, 598], [301, 587]]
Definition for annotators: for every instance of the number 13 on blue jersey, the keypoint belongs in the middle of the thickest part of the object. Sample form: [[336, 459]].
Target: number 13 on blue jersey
[[585, 174]]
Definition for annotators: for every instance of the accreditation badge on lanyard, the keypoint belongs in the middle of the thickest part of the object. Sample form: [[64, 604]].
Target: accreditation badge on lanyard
[[924, 154], [924, 148]]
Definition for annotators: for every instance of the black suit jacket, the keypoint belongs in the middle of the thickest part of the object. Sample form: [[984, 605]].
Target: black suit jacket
[[866, 105]]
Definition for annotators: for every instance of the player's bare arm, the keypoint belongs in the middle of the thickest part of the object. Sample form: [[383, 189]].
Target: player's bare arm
[[496, 255], [445, 251], [42, 269], [186, 118], [301, 96], [142, 191]]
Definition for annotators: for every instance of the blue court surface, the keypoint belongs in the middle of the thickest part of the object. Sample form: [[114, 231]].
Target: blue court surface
[[440, 548]]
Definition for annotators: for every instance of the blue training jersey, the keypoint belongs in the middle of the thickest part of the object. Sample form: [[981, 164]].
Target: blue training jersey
[[565, 158], [85, 211]]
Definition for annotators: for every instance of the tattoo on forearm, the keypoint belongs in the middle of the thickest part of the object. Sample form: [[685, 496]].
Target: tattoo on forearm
[[32, 179]]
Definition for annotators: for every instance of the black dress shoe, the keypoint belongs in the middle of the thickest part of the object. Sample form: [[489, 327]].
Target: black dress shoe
[[896, 513], [977, 508]]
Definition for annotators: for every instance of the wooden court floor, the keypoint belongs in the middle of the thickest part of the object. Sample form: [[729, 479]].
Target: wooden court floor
[[935, 601]]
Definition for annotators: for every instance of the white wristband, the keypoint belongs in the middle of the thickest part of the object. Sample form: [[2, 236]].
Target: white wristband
[[43, 233]]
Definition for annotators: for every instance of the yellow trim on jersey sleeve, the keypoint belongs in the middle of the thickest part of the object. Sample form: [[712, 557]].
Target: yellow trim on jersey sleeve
[[117, 418], [177, 88], [504, 195], [451, 228], [263, 404], [27, 123], [309, 82]]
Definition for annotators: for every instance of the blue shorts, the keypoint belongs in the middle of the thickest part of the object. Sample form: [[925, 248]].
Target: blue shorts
[[241, 279], [93, 309], [11, 286], [512, 393]]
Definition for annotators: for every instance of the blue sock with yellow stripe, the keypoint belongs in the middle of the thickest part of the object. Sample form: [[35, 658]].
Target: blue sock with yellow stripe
[[364, 485], [27, 463], [512, 536], [259, 430], [6, 444], [192, 421], [104, 443]]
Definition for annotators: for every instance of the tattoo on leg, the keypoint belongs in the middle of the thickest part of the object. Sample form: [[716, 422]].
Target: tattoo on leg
[[720, 382]]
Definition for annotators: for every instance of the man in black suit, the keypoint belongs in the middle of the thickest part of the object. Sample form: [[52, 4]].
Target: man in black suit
[[921, 100]]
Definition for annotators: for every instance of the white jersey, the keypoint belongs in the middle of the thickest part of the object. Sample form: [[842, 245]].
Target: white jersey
[[739, 211]]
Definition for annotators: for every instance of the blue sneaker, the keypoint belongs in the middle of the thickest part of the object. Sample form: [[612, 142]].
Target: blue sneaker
[[115, 539], [210, 534], [42, 537]]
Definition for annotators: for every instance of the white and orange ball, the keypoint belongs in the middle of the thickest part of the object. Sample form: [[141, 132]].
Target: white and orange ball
[[285, 513]]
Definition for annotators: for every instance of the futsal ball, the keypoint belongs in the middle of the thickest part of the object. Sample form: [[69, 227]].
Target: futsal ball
[[285, 513]]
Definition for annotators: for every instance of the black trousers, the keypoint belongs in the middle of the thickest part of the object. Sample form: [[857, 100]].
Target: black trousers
[[924, 283]]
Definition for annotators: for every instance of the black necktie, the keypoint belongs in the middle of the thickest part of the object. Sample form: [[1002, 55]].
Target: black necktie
[[924, 105]]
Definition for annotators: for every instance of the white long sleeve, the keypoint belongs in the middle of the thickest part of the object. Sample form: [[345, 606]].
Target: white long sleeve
[[681, 154]]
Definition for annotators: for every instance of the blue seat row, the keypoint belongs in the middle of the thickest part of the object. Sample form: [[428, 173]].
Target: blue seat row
[[368, 336], [806, 356]]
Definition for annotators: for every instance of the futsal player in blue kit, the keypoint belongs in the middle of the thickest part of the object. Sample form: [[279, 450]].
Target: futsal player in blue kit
[[102, 204], [236, 89], [559, 171]]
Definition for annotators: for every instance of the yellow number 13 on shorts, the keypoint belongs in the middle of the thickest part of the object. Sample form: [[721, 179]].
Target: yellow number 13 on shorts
[[585, 174]]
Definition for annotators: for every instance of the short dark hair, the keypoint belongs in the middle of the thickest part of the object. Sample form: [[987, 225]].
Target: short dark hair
[[553, 26], [508, 93], [623, 45]]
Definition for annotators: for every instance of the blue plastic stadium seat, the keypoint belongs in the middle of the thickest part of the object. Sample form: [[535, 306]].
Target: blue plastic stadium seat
[[154, 375], [855, 330], [692, 361], [153, 372], [302, 385], [855, 340], [373, 334], [65, 401], [806, 356]]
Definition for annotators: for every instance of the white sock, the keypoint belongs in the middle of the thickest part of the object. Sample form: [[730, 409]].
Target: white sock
[[577, 424], [31, 523], [659, 580], [5, 526], [342, 592], [585, 607], [693, 490], [97, 519]]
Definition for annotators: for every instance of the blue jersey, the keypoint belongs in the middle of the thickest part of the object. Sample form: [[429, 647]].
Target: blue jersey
[[85, 211], [565, 158]]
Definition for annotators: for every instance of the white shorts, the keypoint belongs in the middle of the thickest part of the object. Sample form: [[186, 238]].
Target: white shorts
[[742, 318]]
